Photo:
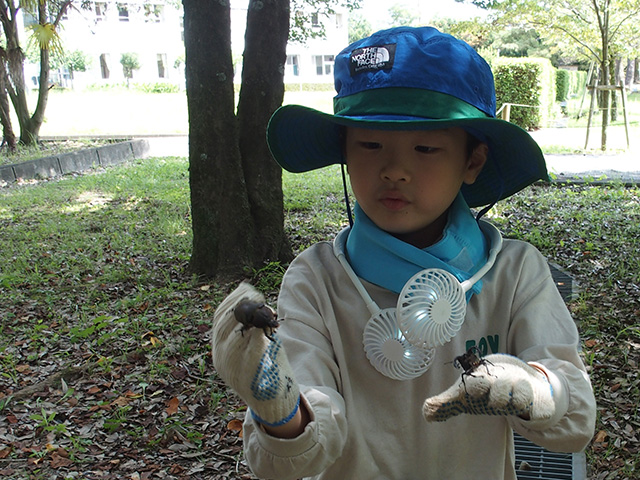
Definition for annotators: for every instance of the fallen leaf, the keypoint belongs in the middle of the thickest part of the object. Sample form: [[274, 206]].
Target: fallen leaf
[[150, 338], [58, 461], [600, 437], [172, 406], [235, 425], [121, 401]]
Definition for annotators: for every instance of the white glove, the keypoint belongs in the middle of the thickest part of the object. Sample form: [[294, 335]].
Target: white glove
[[252, 364], [500, 385]]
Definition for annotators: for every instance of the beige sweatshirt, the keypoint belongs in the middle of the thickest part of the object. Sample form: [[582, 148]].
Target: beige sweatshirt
[[367, 426]]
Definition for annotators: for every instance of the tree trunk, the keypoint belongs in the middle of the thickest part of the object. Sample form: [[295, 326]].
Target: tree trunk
[[630, 72], [616, 77], [8, 135], [15, 61], [29, 124], [604, 32], [30, 132], [236, 188], [261, 94], [223, 231]]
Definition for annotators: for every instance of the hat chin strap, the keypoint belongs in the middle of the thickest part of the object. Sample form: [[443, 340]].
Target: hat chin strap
[[482, 212], [346, 194]]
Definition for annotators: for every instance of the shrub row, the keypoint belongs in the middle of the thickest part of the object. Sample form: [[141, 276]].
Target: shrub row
[[158, 87], [533, 86]]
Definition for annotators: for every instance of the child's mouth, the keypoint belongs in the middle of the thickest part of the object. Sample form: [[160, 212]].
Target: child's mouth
[[394, 203]]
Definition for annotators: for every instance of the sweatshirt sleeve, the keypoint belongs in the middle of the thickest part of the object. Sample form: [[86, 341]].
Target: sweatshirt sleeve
[[544, 334], [303, 305]]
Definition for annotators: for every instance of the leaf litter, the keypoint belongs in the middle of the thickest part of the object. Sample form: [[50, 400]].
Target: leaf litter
[[113, 337]]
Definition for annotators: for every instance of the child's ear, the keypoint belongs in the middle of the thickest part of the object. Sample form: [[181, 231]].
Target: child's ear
[[476, 162]]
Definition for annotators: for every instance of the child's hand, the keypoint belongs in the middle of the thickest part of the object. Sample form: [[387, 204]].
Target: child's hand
[[252, 361], [501, 385]]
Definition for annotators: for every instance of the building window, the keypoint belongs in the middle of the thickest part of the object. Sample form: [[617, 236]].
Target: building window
[[293, 65], [324, 64], [339, 21], [315, 20], [162, 65], [123, 12], [101, 11], [104, 65]]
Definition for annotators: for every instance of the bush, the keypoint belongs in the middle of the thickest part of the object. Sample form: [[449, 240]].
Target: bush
[[308, 87], [530, 83], [577, 82], [158, 87], [563, 85]]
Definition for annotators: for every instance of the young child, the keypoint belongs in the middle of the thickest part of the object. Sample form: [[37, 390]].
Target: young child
[[359, 380]]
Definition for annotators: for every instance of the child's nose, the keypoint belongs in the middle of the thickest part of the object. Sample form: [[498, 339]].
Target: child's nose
[[394, 170]]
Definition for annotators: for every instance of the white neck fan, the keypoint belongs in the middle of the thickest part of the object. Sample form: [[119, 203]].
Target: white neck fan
[[384, 344], [400, 342], [432, 305]]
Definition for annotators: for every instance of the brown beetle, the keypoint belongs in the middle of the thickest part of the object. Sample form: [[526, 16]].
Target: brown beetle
[[256, 314]]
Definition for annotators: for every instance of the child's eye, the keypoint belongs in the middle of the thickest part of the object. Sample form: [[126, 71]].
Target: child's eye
[[370, 145], [425, 149]]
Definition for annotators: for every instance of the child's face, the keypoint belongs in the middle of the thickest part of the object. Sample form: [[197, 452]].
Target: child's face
[[405, 181]]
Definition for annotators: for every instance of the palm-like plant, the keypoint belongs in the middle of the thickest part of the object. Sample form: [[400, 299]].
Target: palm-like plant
[[48, 14]]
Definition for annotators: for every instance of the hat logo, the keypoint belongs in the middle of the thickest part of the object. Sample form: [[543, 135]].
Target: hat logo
[[367, 59]]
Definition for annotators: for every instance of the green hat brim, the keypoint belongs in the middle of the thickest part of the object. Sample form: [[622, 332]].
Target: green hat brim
[[303, 139]]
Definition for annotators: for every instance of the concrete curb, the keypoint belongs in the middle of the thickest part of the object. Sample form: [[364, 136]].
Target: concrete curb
[[75, 162]]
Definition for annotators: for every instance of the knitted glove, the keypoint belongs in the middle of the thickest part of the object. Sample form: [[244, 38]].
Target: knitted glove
[[252, 364], [501, 385]]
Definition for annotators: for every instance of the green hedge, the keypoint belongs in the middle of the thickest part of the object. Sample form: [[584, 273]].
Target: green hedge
[[563, 85], [526, 81], [308, 87], [158, 87], [570, 83], [577, 82]]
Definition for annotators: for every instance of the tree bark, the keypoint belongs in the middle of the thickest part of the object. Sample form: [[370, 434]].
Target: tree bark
[[630, 72], [604, 32], [222, 227], [261, 94], [15, 61], [15, 84], [236, 187], [8, 134]]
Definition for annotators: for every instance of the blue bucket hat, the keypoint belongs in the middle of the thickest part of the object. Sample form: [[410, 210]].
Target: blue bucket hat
[[409, 78]]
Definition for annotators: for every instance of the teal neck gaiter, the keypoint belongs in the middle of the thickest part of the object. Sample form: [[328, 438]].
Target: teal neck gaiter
[[384, 260]]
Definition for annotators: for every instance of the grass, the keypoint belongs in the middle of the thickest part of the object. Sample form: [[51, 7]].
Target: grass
[[93, 273]]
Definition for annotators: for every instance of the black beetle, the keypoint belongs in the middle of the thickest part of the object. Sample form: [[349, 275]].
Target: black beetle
[[256, 314], [469, 361]]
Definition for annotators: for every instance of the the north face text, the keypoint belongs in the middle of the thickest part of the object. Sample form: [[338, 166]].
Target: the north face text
[[372, 58]]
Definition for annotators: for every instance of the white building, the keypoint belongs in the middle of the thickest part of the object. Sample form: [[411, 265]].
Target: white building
[[155, 33], [308, 63]]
